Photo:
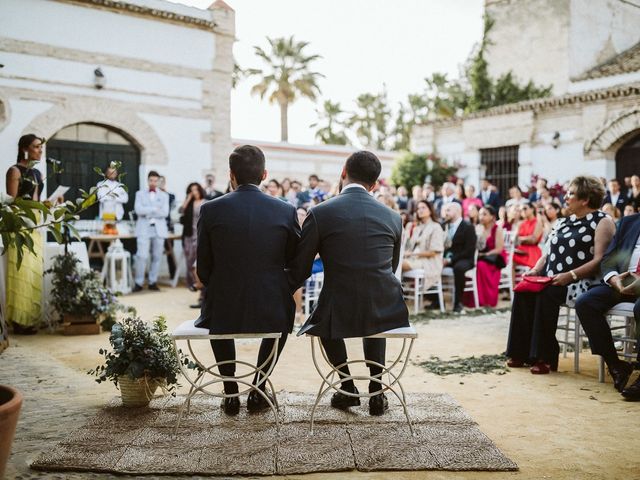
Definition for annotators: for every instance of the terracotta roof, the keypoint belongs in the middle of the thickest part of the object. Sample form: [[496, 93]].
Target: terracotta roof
[[541, 104], [625, 62]]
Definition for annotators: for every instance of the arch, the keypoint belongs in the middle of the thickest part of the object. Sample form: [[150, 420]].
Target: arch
[[628, 157], [614, 133], [105, 112]]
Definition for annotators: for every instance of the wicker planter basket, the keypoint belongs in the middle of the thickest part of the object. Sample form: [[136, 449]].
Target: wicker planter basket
[[138, 392]]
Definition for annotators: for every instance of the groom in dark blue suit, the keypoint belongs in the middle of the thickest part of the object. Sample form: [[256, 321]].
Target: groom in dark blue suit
[[246, 240], [621, 275]]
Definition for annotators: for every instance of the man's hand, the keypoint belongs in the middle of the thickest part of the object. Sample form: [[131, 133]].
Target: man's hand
[[633, 289], [616, 281], [562, 279]]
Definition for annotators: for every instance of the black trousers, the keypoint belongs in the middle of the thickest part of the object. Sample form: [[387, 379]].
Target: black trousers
[[459, 279], [591, 308], [226, 350], [168, 244], [534, 320], [374, 350]]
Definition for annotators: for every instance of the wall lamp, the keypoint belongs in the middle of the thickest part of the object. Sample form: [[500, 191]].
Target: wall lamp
[[99, 80]]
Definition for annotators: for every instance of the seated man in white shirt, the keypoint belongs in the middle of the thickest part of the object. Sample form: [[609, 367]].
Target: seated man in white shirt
[[621, 275], [112, 195]]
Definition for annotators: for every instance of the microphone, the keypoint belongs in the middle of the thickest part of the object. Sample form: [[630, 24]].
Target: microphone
[[53, 161]]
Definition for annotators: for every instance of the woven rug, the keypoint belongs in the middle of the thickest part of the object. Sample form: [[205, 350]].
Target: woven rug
[[141, 441]]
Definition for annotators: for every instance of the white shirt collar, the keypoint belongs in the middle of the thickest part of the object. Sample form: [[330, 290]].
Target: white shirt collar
[[353, 185]]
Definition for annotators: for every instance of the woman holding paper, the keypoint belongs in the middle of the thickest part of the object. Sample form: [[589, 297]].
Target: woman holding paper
[[24, 287]]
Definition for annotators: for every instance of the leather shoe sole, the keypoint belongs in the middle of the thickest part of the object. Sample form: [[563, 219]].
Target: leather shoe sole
[[620, 375], [231, 406], [256, 402], [378, 405], [343, 402], [632, 392]]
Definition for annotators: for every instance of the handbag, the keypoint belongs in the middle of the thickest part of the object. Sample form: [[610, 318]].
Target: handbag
[[494, 259], [532, 284]]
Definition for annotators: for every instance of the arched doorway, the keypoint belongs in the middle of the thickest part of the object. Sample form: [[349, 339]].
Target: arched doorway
[[81, 147], [628, 158]]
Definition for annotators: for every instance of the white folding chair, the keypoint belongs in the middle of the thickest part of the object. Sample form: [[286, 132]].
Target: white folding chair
[[506, 274], [414, 289], [311, 291], [568, 323], [471, 281]]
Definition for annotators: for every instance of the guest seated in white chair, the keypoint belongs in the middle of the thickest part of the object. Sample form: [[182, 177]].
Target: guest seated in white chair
[[360, 241], [460, 243], [425, 245], [245, 241]]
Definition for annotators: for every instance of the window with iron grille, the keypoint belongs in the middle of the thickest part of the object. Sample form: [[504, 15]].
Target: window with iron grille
[[500, 167]]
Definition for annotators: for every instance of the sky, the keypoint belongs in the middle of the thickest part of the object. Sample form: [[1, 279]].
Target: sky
[[366, 45]]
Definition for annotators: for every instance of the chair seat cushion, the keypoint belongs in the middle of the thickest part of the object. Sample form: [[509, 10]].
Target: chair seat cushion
[[416, 273], [403, 332], [623, 309], [188, 328]]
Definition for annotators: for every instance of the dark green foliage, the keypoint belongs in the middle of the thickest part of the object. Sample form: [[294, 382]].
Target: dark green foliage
[[412, 169], [140, 349], [81, 292]]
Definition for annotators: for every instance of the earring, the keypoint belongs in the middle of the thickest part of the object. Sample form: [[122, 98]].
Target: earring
[[26, 155]]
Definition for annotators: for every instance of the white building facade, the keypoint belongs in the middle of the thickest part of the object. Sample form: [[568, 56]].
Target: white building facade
[[145, 82], [590, 53]]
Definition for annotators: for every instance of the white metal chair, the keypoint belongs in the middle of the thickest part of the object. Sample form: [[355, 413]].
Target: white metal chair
[[311, 291], [506, 274], [621, 318], [568, 323], [333, 378], [471, 283], [188, 332], [413, 287]]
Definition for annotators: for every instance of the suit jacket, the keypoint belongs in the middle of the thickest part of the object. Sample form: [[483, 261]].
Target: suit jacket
[[463, 244], [359, 242], [151, 211], [618, 254], [494, 200], [246, 239], [622, 201]]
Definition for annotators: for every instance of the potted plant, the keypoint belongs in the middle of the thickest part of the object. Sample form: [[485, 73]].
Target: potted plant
[[79, 297], [10, 402], [143, 358]]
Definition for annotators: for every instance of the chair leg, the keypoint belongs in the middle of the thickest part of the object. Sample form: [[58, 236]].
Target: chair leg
[[577, 342], [416, 295], [601, 370], [441, 297]]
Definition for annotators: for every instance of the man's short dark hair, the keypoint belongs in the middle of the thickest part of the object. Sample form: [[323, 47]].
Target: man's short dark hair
[[363, 167], [315, 177], [247, 164], [153, 173]]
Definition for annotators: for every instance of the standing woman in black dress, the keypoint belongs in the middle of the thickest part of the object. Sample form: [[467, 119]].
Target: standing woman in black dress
[[24, 287]]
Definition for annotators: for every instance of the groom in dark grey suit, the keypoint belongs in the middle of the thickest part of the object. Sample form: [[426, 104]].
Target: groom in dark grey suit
[[245, 241], [359, 241]]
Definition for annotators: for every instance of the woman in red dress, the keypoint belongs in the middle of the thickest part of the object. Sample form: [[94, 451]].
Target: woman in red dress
[[529, 235], [491, 259]]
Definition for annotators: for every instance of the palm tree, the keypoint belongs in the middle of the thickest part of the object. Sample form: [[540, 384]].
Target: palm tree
[[330, 117], [286, 76], [371, 119]]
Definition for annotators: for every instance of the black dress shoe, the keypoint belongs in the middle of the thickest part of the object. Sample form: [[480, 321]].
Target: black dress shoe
[[343, 402], [256, 403], [632, 392], [620, 374], [137, 288], [458, 308], [378, 404], [154, 287], [231, 406]]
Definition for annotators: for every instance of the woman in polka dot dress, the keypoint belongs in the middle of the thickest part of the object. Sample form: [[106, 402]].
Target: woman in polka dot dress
[[574, 250]]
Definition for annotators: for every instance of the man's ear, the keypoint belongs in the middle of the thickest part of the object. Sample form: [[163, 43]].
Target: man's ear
[[232, 178], [343, 175], [371, 188], [264, 175]]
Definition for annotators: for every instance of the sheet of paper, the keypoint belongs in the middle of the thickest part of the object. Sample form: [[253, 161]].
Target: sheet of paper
[[59, 192]]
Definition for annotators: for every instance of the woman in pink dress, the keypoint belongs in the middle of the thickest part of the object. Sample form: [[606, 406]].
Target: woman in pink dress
[[470, 199], [491, 259], [529, 235]]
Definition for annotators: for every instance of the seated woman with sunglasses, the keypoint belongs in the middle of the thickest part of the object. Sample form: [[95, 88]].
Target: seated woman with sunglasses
[[574, 250]]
